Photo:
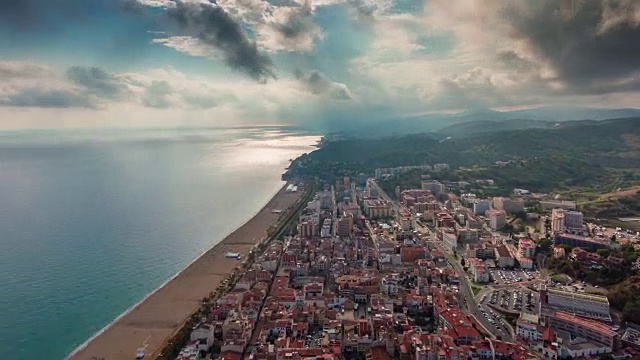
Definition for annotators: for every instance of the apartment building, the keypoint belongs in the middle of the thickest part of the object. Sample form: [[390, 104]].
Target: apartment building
[[587, 305], [548, 205], [581, 241], [377, 209], [563, 220], [510, 206], [503, 257], [526, 248], [497, 219], [590, 330]]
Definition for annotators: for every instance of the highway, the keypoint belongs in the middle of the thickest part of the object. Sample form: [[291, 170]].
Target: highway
[[468, 302]]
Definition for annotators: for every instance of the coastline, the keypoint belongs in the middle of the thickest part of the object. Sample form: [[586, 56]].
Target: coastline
[[163, 311]]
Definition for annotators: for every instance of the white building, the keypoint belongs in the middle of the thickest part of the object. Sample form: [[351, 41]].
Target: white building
[[503, 257], [529, 330], [481, 206], [557, 220], [325, 232], [510, 206], [449, 240]]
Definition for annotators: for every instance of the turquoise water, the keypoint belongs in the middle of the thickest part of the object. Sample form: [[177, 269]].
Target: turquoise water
[[91, 222]]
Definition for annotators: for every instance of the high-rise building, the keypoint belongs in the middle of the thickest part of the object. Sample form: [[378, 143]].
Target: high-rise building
[[557, 220], [497, 219], [510, 206], [562, 220], [573, 220]]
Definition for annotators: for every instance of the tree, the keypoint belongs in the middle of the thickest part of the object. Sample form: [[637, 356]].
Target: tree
[[545, 245], [603, 252], [462, 262], [521, 215]]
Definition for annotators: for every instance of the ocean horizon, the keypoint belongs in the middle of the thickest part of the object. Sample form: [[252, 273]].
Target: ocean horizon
[[93, 221]]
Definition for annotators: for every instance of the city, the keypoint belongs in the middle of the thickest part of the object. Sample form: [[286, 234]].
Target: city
[[424, 275]]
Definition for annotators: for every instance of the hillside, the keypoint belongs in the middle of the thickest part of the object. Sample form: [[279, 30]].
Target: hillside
[[488, 126], [591, 154]]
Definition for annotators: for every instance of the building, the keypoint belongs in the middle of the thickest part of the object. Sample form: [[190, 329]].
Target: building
[[466, 235], [573, 220], [308, 229], [503, 257], [593, 331], [510, 206], [548, 205], [437, 188], [327, 200], [563, 220], [449, 240], [481, 251], [557, 220], [325, 231], [497, 219], [479, 270], [526, 248], [529, 330], [481, 206], [586, 305], [377, 209], [344, 225], [440, 167], [581, 241]]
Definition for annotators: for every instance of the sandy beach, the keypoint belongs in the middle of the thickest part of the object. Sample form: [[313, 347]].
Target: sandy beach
[[164, 311]]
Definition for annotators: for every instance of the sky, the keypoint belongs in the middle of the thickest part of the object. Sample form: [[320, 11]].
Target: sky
[[315, 63]]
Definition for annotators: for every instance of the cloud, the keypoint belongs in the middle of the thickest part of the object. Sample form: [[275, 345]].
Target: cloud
[[320, 84], [289, 28], [22, 69], [157, 95], [570, 47], [189, 45], [212, 26], [582, 41], [46, 98], [97, 82]]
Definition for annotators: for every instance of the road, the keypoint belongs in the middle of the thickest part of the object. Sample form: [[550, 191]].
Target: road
[[468, 301]]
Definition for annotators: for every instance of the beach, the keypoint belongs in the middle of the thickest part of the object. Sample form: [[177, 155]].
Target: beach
[[163, 312]]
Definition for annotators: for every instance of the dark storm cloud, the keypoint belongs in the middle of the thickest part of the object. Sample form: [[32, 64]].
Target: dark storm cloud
[[320, 84], [48, 14], [299, 23], [586, 42], [47, 98], [216, 28], [97, 81]]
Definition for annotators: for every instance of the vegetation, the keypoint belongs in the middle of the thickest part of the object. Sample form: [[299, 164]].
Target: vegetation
[[586, 154], [625, 297]]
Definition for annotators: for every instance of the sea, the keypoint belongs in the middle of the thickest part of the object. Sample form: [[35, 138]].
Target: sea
[[91, 221]]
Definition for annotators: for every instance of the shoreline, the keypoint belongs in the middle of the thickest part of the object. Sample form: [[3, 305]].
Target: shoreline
[[213, 258]]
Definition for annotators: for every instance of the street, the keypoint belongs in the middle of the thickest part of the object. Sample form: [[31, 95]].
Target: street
[[468, 302]]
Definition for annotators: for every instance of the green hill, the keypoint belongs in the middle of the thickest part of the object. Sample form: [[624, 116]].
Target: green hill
[[598, 154]]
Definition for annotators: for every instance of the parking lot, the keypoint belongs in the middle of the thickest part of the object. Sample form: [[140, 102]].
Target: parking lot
[[494, 318], [508, 277], [515, 300]]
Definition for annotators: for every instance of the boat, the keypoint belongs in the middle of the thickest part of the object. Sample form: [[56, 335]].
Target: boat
[[232, 255], [141, 350]]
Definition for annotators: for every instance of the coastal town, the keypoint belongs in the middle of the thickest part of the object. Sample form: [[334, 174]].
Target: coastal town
[[422, 274]]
